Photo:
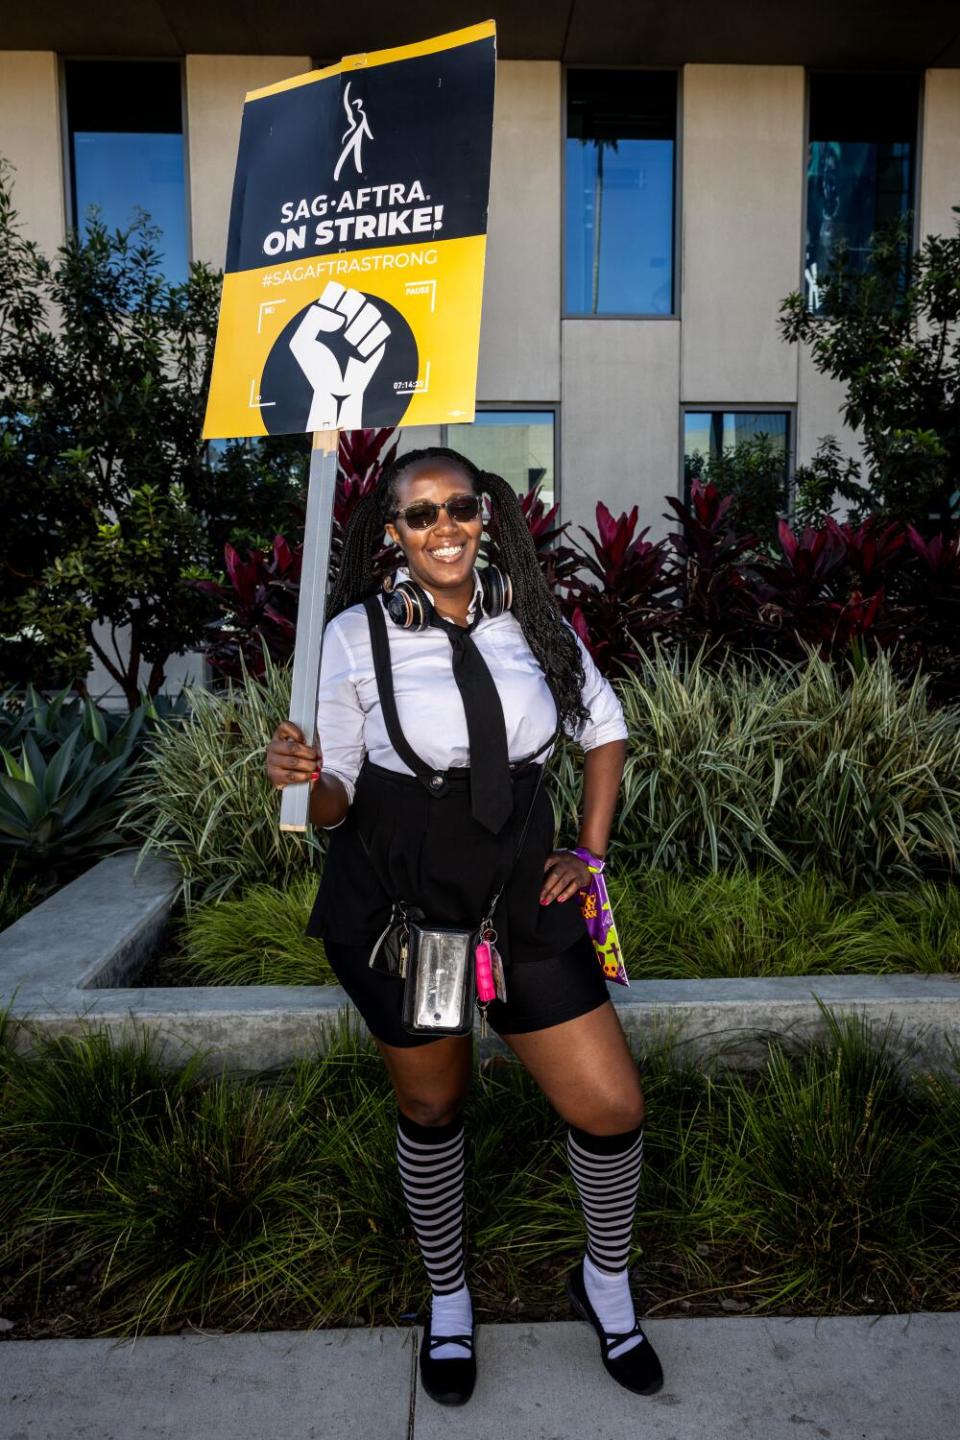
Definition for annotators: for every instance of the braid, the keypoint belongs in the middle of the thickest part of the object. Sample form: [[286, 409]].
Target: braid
[[538, 614], [553, 643], [357, 575]]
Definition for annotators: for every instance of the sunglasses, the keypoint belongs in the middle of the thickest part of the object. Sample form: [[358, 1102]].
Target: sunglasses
[[461, 509]]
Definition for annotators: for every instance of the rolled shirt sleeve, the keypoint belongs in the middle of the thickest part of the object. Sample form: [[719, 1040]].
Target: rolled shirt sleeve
[[340, 717], [606, 721]]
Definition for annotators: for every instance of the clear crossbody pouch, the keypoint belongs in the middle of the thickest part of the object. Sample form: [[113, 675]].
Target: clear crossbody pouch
[[439, 990]]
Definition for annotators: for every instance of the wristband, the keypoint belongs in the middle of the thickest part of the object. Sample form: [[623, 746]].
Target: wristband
[[594, 863]]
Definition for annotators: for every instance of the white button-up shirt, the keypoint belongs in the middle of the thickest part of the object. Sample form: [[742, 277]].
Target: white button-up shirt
[[350, 721]]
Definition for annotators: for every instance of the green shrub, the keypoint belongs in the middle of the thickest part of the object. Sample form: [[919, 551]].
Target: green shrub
[[17, 895], [257, 938], [846, 771], [747, 923], [204, 799], [63, 812], [840, 1165], [826, 1181], [52, 721], [871, 774], [671, 927], [63, 795]]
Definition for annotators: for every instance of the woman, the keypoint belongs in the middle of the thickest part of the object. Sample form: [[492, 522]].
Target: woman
[[412, 820]]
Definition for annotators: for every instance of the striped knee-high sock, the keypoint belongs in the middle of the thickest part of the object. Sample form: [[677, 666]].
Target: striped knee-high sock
[[431, 1163], [607, 1169]]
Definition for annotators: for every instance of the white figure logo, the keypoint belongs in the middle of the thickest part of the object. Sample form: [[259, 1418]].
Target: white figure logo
[[338, 394], [357, 126]]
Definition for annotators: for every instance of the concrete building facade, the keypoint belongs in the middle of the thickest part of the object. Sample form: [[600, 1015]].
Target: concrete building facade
[[611, 389]]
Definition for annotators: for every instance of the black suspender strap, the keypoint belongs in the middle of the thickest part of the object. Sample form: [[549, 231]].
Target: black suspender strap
[[433, 779]]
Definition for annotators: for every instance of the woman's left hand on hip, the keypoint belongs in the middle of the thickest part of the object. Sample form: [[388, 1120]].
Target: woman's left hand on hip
[[564, 875]]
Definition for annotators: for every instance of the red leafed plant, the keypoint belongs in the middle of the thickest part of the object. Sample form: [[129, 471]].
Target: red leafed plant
[[620, 594], [361, 459], [939, 567], [258, 605], [829, 587], [931, 583], [258, 608], [873, 554], [711, 568]]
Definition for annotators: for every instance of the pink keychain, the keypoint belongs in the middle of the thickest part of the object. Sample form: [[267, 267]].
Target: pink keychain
[[489, 970], [486, 989]]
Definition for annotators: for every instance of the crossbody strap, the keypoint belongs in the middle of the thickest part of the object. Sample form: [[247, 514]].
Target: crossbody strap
[[488, 917]]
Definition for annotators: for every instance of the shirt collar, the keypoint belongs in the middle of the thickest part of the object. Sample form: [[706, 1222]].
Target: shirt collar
[[402, 573]]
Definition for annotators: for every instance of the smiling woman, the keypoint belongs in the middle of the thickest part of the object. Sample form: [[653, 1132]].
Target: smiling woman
[[439, 530], [434, 732]]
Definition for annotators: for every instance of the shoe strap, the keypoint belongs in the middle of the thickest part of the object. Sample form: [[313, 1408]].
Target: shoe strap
[[611, 1338], [436, 1340]]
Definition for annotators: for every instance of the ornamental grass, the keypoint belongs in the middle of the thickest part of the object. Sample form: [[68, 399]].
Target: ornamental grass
[[135, 1200], [204, 800], [672, 927], [840, 769]]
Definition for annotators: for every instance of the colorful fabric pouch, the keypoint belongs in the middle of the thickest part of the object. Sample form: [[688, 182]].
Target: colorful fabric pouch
[[597, 912]]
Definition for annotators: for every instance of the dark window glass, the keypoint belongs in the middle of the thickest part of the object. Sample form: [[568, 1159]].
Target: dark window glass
[[621, 139], [126, 148], [517, 444], [860, 167]]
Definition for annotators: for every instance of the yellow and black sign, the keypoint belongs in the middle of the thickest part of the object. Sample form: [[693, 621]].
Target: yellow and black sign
[[354, 272]]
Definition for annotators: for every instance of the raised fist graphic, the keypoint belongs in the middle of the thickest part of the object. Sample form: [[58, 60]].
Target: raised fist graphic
[[358, 325]]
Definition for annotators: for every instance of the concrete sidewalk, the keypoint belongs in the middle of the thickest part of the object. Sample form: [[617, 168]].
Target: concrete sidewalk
[[748, 1378]]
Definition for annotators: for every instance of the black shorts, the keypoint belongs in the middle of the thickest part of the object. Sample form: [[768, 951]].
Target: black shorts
[[540, 993]]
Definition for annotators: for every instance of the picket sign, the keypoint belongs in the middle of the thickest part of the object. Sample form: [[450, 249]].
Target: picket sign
[[308, 644]]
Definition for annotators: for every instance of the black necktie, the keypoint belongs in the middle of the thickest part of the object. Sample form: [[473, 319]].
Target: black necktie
[[491, 793]]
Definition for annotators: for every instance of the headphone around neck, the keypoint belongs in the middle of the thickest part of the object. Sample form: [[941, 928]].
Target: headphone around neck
[[408, 604]]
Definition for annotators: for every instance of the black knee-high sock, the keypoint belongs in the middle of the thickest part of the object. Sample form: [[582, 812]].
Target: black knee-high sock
[[607, 1169], [430, 1159]]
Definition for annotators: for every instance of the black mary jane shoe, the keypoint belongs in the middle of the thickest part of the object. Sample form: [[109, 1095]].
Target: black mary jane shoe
[[451, 1381], [638, 1368]]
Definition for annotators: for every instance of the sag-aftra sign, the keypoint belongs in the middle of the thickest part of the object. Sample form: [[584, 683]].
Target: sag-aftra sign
[[354, 270]]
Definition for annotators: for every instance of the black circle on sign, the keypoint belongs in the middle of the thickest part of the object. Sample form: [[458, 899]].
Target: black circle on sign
[[286, 395]]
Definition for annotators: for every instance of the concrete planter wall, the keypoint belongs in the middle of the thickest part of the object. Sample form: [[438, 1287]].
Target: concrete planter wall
[[69, 967]]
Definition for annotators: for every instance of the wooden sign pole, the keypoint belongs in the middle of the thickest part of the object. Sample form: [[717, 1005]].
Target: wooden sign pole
[[308, 645]]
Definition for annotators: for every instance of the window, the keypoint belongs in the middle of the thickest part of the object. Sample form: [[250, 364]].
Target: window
[[711, 433], [125, 127], [744, 451], [517, 444], [860, 166], [619, 192]]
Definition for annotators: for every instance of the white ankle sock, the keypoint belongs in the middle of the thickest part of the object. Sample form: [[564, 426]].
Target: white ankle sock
[[611, 1299], [451, 1315]]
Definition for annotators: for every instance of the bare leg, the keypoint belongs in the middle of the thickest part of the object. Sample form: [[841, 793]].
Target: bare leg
[[585, 1069], [431, 1082]]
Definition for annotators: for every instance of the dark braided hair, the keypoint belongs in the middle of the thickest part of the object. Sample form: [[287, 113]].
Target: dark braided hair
[[538, 615]]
